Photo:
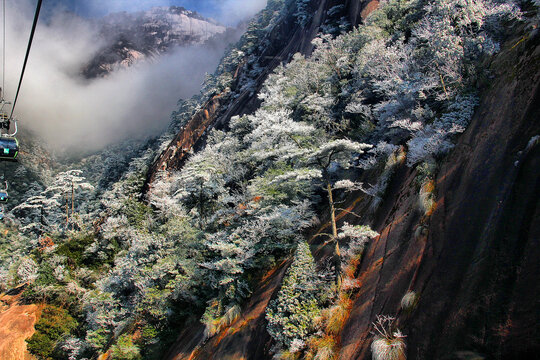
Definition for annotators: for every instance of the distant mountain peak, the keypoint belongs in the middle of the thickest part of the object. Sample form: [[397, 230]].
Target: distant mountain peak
[[132, 37]]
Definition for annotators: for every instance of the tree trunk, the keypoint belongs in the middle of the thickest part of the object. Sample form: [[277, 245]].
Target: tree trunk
[[41, 221], [202, 221], [67, 209], [72, 201], [337, 252]]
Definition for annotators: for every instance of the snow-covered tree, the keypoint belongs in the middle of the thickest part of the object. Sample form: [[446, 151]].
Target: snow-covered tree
[[64, 189], [27, 270], [38, 213]]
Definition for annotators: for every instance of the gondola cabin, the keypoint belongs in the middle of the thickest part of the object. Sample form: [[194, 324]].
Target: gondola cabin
[[3, 196], [9, 148]]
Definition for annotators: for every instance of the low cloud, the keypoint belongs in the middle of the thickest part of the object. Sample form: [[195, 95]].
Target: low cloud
[[233, 11], [70, 112]]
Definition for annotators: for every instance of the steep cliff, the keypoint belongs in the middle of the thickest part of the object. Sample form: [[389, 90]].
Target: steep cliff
[[471, 259], [473, 262]]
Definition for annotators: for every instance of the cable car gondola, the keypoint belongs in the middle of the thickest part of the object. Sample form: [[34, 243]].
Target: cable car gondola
[[4, 194], [9, 145], [9, 148]]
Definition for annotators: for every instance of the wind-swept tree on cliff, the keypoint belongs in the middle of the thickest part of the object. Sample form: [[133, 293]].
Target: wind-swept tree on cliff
[[306, 154]]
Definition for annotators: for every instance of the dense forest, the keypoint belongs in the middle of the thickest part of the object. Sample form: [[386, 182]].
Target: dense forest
[[124, 255]]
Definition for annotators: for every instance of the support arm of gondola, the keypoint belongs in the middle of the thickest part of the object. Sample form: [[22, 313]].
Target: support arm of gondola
[[16, 129]]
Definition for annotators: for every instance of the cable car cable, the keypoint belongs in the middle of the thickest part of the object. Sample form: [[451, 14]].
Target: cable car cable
[[3, 50], [34, 25]]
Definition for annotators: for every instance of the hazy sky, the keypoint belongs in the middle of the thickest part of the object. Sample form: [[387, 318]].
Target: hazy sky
[[225, 11]]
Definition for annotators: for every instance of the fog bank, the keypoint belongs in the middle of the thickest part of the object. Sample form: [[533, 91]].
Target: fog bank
[[70, 112]]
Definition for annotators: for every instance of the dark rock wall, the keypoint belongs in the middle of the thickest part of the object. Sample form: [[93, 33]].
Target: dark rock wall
[[475, 265]]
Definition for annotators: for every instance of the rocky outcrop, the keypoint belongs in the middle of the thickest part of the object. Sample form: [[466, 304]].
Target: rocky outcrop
[[473, 262], [175, 154], [16, 326]]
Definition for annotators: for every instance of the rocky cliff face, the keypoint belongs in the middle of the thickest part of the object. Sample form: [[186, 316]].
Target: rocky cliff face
[[472, 260], [131, 37]]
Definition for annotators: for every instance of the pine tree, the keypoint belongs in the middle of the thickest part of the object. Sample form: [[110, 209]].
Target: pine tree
[[290, 316]]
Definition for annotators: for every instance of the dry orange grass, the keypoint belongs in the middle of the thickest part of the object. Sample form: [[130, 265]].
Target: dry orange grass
[[337, 315], [322, 348], [427, 198]]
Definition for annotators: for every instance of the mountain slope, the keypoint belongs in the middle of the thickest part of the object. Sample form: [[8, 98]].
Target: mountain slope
[[379, 199], [284, 39], [473, 262], [468, 259]]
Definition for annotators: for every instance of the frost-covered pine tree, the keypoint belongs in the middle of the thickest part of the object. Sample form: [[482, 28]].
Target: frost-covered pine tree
[[37, 213], [64, 189]]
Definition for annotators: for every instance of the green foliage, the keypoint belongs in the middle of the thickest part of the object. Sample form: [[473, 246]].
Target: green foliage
[[54, 324], [74, 250], [14, 247], [290, 316], [136, 212], [45, 275], [154, 304], [149, 335], [125, 349], [98, 338]]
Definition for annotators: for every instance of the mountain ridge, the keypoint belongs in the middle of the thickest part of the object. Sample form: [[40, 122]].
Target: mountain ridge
[[132, 37]]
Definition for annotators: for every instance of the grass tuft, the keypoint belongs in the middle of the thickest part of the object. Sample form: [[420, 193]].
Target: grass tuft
[[388, 349], [427, 197], [337, 315], [322, 348], [388, 344], [215, 325], [409, 301]]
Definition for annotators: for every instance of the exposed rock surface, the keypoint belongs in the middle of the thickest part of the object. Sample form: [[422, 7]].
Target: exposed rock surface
[[16, 325], [475, 263]]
